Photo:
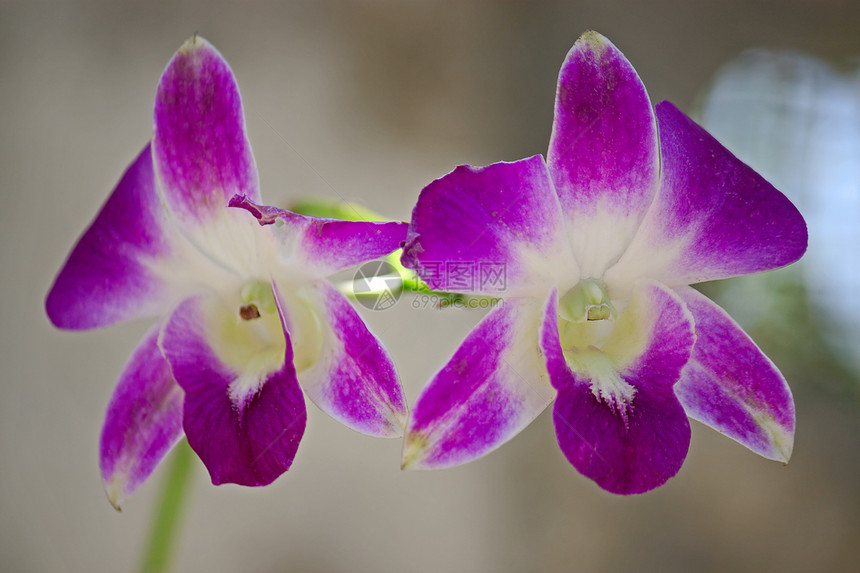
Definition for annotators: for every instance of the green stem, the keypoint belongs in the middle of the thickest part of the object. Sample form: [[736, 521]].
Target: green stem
[[410, 282], [165, 526]]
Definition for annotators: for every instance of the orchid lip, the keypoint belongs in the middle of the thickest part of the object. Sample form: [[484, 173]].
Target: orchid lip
[[304, 322], [607, 384], [586, 321]]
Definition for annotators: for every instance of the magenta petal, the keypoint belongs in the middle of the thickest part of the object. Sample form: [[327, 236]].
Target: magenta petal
[[639, 449], [354, 380], [603, 153], [247, 441], [488, 230], [494, 386], [325, 245], [110, 275], [731, 386], [201, 150], [143, 421], [713, 218]]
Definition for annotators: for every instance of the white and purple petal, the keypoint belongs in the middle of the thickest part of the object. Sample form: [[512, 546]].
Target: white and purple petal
[[731, 386], [603, 153], [616, 416], [143, 421], [244, 412], [352, 378], [477, 220], [494, 386], [320, 246], [713, 218], [200, 147], [112, 273]]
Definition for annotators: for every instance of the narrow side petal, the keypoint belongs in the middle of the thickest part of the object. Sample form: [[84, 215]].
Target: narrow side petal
[[494, 386], [111, 274], [731, 386], [322, 247], [143, 421], [713, 218], [201, 150], [490, 230], [353, 379], [603, 153], [616, 416], [244, 412]]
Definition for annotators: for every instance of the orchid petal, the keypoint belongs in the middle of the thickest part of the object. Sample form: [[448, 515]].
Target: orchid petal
[[325, 246], [244, 412], [477, 221], [494, 386], [112, 273], [616, 416], [731, 386], [603, 153], [353, 379], [143, 421], [201, 150], [713, 218]]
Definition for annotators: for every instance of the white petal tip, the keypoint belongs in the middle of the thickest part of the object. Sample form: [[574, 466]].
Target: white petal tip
[[113, 495], [392, 425], [783, 455], [389, 432], [195, 42], [781, 441], [414, 448]]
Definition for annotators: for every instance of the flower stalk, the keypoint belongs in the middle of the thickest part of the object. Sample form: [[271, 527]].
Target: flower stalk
[[164, 532]]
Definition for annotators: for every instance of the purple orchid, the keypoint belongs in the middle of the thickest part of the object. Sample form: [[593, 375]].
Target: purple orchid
[[600, 243], [246, 315]]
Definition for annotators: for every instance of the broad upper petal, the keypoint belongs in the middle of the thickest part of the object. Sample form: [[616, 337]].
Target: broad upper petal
[[352, 377], [494, 386], [143, 421], [731, 386], [490, 230], [320, 246], [713, 218], [603, 153], [201, 149], [244, 412], [112, 274], [616, 416]]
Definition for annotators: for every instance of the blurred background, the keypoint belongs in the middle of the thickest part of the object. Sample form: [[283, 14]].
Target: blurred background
[[370, 101]]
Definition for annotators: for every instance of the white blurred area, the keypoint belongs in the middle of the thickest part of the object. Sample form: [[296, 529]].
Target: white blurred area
[[795, 119]]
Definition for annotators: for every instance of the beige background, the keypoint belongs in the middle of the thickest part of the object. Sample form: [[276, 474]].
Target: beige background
[[370, 101]]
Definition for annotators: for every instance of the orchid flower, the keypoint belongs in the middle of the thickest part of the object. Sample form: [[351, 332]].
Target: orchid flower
[[246, 318], [599, 244]]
